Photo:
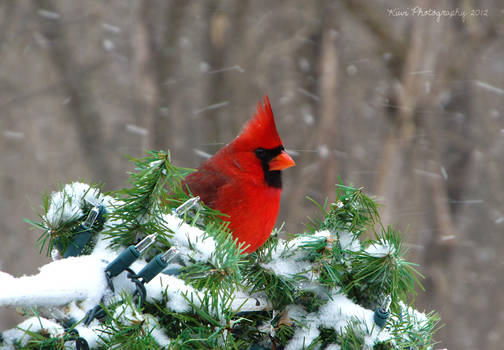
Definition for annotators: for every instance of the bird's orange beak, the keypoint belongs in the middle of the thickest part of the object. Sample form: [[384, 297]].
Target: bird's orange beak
[[282, 161]]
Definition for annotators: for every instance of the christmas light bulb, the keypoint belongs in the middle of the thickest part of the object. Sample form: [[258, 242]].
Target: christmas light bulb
[[169, 255], [129, 255], [91, 218], [145, 243], [186, 206], [382, 313], [386, 303], [156, 265]]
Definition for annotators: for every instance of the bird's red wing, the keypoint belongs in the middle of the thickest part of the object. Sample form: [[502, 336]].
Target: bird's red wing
[[206, 183]]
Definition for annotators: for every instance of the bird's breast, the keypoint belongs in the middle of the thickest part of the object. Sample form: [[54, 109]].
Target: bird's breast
[[252, 211]]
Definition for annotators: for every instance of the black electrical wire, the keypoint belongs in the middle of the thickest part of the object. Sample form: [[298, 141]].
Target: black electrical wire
[[140, 291], [80, 343], [96, 312], [109, 281]]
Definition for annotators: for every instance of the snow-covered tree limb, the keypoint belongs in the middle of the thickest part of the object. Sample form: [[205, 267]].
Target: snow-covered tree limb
[[319, 290]]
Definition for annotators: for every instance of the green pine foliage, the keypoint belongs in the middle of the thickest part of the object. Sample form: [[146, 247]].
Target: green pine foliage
[[294, 281], [128, 327], [60, 232], [413, 330], [390, 272], [352, 211], [142, 205]]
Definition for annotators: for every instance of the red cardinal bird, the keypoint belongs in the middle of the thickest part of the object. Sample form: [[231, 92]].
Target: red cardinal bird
[[243, 179]]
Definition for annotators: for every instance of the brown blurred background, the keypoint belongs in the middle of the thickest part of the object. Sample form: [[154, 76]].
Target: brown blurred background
[[409, 106]]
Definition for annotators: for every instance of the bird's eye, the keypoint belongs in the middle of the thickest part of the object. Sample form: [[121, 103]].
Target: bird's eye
[[260, 152]]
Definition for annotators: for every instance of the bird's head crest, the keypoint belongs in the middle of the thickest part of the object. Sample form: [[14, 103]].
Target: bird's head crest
[[260, 131]]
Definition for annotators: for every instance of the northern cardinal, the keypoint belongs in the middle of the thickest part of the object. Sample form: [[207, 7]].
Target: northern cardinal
[[243, 179]]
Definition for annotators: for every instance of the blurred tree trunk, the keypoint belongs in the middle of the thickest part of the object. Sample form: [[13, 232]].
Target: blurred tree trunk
[[84, 112]]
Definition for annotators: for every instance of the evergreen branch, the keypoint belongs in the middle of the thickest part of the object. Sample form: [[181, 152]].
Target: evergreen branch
[[351, 211], [316, 291], [127, 328], [414, 330], [352, 337], [382, 267], [141, 206], [281, 290], [65, 212]]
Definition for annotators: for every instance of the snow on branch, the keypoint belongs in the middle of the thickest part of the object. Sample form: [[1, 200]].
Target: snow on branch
[[140, 267]]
